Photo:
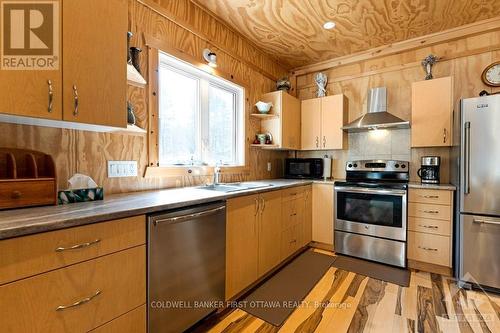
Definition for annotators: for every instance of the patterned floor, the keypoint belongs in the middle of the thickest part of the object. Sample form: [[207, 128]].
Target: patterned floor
[[347, 302]]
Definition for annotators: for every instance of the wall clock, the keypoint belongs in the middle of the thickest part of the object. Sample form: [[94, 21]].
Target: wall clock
[[491, 75]]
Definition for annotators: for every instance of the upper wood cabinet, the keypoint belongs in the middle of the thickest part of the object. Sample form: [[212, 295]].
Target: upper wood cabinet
[[32, 93], [321, 123], [94, 62], [285, 126], [432, 113], [93, 52]]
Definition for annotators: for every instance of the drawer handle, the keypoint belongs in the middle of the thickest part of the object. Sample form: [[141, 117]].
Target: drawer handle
[[293, 241], [431, 196], [427, 248], [428, 226], [80, 302], [294, 214], [485, 222], [78, 246], [431, 211], [16, 194]]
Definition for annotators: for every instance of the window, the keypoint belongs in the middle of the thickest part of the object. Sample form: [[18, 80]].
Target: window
[[201, 117]]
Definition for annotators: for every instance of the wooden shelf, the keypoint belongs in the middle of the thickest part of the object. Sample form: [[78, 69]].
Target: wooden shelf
[[264, 146], [264, 115], [131, 130], [134, 78]]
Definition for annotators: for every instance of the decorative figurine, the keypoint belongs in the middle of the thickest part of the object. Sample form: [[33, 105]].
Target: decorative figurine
[[130, 113], [135, 52], [129, 54], [283, 84], [321, 81], [427, 63]]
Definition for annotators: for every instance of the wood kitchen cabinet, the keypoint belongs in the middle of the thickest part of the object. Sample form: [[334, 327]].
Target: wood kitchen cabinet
[[95, 75], [321, 123], [322, 214], [269, 231], [90, 85], [432, 113], [32, 93], [242, 241], [307, 234], [285, 125]]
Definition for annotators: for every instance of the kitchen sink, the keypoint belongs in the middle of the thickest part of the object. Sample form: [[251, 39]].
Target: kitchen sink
[[233, 187]]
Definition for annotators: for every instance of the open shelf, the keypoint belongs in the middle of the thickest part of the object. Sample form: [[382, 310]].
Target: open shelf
[[134, 78], [264, 146], [131, 130], [264, 115]]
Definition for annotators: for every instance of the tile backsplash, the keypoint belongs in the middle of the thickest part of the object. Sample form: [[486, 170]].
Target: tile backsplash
[[380, 144]]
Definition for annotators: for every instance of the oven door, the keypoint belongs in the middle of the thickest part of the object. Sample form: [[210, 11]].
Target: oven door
[[376, 212]]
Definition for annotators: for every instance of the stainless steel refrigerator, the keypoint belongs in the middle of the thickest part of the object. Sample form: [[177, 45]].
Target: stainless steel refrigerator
[[477, 175]]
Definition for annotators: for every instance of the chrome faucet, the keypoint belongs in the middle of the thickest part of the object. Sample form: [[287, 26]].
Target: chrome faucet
[[216, 175]]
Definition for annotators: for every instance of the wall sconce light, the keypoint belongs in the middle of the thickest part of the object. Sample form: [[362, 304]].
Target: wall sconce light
[[210, 57]]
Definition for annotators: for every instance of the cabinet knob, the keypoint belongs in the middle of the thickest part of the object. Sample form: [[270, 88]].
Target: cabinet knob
[[16, 194], [324, 141], [317, 142]]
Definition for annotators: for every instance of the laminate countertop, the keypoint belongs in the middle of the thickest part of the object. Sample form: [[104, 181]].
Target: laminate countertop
[[26, 221], [448, 187]]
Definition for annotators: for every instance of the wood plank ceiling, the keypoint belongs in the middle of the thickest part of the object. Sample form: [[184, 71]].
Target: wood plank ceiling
[[292, 32]]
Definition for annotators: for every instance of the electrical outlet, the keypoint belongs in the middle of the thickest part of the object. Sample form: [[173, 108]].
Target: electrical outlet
[[269, 166], [122, 169]]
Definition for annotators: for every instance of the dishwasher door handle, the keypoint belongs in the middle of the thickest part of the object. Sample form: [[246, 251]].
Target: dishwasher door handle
[[181, 218]]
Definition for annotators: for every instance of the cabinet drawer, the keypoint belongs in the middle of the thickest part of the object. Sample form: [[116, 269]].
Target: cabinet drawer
[[438, 227], [29, 255], [292, 213], [292, 193], [27, 193], [439, 212], [434, 249], [132, 322], [34, 304], [439, 197], [290, 241]]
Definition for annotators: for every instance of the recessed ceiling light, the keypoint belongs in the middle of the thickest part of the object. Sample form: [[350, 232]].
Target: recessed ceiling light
[[329, 25]]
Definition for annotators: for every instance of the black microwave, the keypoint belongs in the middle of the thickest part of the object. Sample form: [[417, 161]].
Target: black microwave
[[304, 168]]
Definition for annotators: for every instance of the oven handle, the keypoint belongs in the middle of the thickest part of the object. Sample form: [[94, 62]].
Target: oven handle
[[369, 190]]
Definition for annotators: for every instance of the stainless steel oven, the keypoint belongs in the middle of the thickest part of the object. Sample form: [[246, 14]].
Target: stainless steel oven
[[371, 211]]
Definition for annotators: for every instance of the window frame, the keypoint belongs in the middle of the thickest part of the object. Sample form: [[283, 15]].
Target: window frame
[[206, 79]]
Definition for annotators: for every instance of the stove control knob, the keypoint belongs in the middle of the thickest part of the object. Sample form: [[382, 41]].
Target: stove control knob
[[350, 165], [403, 166], [396, 165], [355, 165]]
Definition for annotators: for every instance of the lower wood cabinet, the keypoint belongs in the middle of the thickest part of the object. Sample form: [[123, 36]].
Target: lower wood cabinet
[[430, 229], [76, 298], [263, 230], [133, 322], [322, 213]]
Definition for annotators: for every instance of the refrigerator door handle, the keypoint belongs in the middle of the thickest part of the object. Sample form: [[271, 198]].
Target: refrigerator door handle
[[467, 158], [479, 221]]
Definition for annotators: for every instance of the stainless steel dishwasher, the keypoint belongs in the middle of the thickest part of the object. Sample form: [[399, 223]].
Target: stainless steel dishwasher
[[186, 266]]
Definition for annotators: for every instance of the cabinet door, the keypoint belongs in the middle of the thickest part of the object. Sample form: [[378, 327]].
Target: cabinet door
[[94, 61], [311, 124], [269, 231], [307, 233], [290, 125], [322, 213], [431, 113], [27, 92], [241, 243], [333, 117]]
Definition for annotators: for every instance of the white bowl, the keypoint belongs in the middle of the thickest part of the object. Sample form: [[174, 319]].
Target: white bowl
[[263, 107]]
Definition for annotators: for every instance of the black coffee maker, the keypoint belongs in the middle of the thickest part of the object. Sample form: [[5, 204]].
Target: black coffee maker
[[429, 170]]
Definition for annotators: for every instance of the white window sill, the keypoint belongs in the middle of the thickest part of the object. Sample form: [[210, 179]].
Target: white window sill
[[177, 171]]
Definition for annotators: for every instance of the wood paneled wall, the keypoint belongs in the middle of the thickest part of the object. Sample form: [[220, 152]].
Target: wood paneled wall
[[88, 152], [464, 59]]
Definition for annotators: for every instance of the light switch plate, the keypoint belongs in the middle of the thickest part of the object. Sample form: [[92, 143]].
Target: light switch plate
[[122, 169]]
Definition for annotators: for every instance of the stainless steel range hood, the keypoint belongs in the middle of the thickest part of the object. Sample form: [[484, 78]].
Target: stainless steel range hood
[[377, 116]]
